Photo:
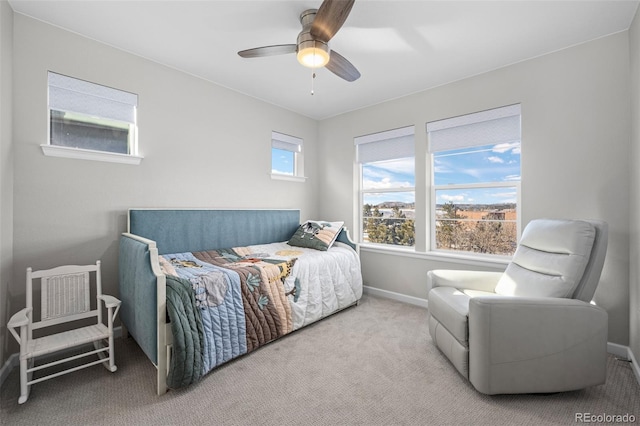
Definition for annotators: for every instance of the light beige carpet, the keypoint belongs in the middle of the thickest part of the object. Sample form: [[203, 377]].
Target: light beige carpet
[[373, 364]]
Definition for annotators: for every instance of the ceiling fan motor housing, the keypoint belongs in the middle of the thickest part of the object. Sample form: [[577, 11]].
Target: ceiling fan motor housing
[[312, 47], [311, 52]]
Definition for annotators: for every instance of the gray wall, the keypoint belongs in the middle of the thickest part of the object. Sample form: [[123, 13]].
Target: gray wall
[[575, 155], [206, 146], [6, 171], [203, 146], [634, 197]]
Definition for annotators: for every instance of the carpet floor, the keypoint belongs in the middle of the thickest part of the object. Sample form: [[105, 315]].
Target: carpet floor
[[373, 364]]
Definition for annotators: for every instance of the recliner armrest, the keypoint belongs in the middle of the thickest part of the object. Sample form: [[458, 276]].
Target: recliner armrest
[[470, 280], [521, 344]]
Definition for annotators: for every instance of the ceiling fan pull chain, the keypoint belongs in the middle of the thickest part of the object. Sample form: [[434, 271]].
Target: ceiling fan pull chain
[[313, 77]]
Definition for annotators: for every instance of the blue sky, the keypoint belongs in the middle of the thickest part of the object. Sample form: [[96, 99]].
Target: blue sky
[[389, 174], [492, 163], [282, 161]]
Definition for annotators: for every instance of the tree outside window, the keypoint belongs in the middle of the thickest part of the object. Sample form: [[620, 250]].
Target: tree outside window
[[387, 187]]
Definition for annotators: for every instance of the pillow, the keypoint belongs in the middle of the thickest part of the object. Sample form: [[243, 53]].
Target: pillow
[[550, 260], [316, 234]]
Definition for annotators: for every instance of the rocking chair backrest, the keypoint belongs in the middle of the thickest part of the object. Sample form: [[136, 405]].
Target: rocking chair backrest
[[65, 294]]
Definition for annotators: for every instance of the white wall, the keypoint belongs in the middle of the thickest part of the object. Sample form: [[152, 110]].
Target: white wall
[[206, 146], [634, 196], [203, 146], [6, 170], [575, 155]]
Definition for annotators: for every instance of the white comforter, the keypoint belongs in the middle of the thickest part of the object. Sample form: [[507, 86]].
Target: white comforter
[[329, 280]]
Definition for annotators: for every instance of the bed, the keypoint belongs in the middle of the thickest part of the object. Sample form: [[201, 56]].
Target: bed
[[200, 287]]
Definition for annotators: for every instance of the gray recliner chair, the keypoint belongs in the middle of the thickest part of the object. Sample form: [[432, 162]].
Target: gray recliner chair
[[533, 328]]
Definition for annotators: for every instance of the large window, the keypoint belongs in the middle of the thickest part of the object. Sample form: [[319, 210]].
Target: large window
[[286, 156], [476, 181], [90, 117], [387, 187]]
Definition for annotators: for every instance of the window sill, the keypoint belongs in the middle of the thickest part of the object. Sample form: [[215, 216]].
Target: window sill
[[461, 258], [86, 154], [278, 176]]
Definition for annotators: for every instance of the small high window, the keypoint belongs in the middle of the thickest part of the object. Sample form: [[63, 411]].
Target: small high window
[[286, 157], [91, 121]]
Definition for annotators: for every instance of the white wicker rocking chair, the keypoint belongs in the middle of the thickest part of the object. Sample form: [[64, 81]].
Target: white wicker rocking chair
[[66, 295]]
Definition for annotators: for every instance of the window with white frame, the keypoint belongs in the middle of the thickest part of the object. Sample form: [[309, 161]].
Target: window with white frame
[[386, 162], [88, 120], [286, 156], [475, 189]]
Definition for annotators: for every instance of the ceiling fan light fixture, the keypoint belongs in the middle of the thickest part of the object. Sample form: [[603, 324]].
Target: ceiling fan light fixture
[[313, 53], [312, 48]]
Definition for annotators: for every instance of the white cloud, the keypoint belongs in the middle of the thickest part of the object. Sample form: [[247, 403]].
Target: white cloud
[[384, 183], [452, 198], [440, 166], [280, 172], [501, 148], [403, 165], [510, 194], [476, 173], [389, 174], [494, 159], [505, 197]]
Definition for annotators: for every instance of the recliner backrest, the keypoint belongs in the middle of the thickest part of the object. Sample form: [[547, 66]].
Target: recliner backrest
[[555, 258], [591, 277]]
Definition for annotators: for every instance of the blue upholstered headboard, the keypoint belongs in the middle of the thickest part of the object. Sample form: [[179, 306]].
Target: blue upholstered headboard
[[178, 230]]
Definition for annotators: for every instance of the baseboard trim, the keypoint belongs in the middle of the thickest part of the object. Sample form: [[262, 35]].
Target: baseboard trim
[[618, 350], [626, 353], [14, 359], [634, 364], [8, 366], [395, 296]]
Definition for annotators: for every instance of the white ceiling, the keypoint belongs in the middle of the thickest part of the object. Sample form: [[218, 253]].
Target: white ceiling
[[399, 47]]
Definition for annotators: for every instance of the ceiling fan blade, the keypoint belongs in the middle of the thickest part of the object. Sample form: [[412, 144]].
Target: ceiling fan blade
[[279, 49], [329, 18], [341, 67]]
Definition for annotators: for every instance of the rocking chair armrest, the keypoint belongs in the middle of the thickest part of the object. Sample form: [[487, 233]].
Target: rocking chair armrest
[[20, 318], [110, 301]]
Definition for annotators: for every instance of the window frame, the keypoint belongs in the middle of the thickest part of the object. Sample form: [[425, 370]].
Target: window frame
[[384, 136], [433, 208], [129, 100], [291, 144], [459, 121], [362, 193]]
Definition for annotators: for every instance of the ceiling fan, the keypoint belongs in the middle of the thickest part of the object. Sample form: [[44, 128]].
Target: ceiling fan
[[312, 47]]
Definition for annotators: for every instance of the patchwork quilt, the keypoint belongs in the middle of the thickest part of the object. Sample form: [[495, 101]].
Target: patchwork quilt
[[244, 297]]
